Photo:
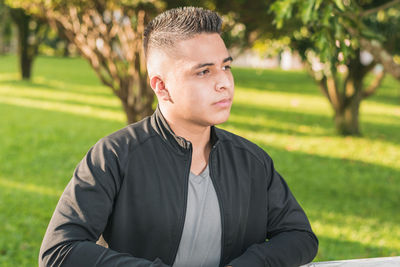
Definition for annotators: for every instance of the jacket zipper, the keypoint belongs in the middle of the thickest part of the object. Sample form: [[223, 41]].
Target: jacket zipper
[[182, 220], [220, 207]]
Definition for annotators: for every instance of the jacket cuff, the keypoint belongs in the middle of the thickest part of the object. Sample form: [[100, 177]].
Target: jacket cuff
[[247, 259]]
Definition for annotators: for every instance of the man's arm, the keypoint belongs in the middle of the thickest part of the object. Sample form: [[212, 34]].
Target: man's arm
[[291, 241], [82, 213]]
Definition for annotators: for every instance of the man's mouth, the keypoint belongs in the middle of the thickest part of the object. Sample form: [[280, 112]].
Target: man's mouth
[[223, 103]]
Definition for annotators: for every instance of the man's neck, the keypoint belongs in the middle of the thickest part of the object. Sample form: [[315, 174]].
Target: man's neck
[[201, 146], [199, 136]]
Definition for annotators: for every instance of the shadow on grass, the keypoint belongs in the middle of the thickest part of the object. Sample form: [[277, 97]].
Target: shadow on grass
[[373, 130], [276, 80], [392, 99], [74, 71], [46, 85], [76, 67], [285, 116], [386, 100]]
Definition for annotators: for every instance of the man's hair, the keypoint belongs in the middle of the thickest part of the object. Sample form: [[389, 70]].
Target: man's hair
[[179, 24]]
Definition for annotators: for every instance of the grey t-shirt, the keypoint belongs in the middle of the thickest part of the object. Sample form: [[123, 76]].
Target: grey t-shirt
[[200, 244]]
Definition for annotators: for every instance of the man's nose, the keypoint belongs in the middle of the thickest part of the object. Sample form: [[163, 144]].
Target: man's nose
[[223, 81]]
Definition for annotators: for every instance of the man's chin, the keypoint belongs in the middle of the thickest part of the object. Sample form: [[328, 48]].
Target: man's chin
[[221, 119]]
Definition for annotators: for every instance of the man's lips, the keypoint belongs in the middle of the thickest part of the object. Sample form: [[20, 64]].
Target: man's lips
[[226, 102]]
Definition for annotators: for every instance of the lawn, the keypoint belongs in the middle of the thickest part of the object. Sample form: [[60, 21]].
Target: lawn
[[349, 187]]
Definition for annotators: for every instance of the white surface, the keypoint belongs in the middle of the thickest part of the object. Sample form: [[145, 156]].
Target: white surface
[[373, 262]]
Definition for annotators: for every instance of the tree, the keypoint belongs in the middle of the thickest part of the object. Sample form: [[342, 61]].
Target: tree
[[31, 32], [333, 35], [109, 35]]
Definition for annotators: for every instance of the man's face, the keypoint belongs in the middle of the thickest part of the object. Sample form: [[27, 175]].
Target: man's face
[[199, 81]]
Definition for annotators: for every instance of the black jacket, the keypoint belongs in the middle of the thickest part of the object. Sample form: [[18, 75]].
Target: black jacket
[[132, 186]]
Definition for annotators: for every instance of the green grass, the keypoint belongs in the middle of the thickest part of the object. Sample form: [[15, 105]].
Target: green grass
[[349, 187]]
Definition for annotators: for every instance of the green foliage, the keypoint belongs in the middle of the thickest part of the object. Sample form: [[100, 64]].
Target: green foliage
[[332, 28], [39, 7], [349, 187]]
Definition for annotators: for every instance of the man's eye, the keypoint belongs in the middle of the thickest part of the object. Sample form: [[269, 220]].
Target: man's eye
[[202, 73], [227, 67]]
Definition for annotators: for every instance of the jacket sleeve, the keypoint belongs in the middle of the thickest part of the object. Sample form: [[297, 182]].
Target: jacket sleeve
[[290, 239], [82, 213]]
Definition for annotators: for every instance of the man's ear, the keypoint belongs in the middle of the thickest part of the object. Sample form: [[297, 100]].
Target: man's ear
[[158, 86]]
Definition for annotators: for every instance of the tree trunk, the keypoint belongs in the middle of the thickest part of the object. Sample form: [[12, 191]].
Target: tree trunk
[[346, 119], [66, 48], [345, 98], [26, 61], [137, 98], [25, 51], [133, 113], [3, 25]]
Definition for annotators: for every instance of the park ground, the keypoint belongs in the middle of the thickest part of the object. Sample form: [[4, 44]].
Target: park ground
[[348, 186]]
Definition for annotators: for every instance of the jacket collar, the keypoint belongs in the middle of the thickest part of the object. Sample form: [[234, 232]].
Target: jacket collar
[[161, 126]]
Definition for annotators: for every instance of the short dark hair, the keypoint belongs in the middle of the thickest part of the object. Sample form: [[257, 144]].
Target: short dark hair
[[179, 24]]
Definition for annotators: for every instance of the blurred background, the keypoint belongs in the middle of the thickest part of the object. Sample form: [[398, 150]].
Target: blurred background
[[317, 87]]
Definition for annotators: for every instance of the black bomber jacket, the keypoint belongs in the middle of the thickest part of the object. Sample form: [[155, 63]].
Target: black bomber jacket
[[132, 187]]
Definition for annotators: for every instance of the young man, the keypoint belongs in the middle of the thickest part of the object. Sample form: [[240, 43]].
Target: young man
[[172, 189]]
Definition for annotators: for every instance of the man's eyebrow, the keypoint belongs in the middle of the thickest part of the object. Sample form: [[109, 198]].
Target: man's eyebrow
[[227, 59], [201, 65]]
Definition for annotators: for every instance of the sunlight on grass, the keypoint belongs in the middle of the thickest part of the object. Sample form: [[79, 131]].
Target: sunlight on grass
[[67, 108], [366, 231], [30, 188], [383, 113], [46, 94], [287, 101], [281, 125]]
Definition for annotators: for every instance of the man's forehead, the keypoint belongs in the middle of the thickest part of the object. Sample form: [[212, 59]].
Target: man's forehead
[[200, 50], [210, 59]]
